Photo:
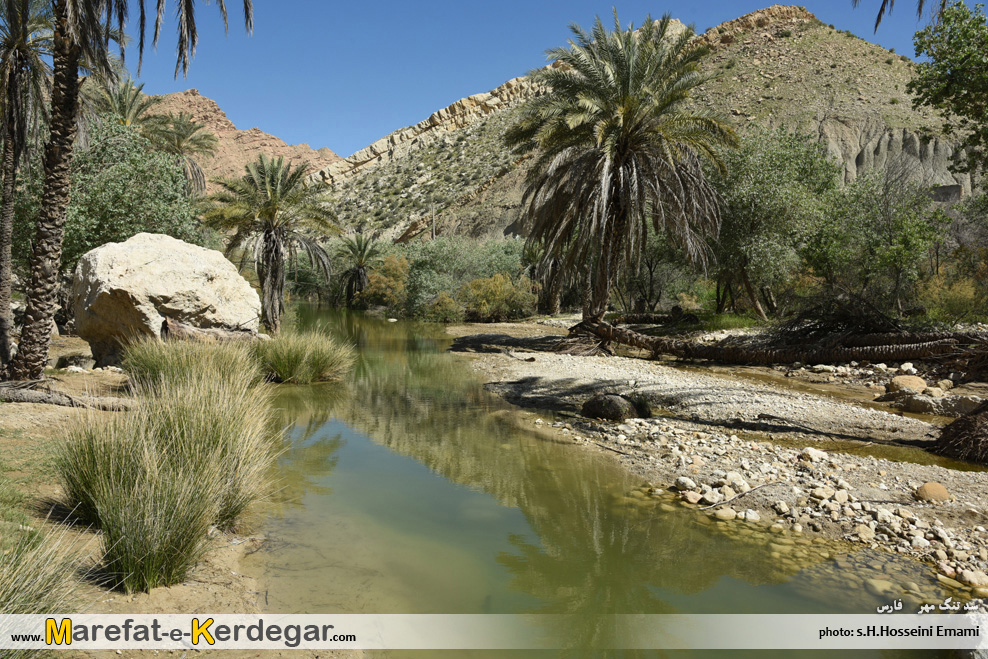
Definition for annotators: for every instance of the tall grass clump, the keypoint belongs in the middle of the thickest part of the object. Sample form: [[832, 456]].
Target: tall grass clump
[[304, 357], [194, 454], [149, 360], [36, 576]]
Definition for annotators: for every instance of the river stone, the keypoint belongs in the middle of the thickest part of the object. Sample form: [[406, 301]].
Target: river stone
[[725, 514], [608, 406], [911, 383], [932, 492], [125, 290], [683, 483], [974, 577], [879, 587], [692, 497], [812, 455]]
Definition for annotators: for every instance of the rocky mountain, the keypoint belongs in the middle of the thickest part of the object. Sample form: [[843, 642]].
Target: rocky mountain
[[238, 147], [777, 66]]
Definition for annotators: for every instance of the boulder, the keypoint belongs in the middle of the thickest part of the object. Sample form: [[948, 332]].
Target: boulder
[[128, 289], [913, 383], [608, 406], [932, 492], [944, 406]]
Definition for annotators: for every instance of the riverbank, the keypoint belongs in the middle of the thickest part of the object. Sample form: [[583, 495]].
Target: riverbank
[[27, 434], [814, 466]]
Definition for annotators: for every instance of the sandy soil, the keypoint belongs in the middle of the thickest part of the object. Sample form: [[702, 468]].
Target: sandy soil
[[730, 434]]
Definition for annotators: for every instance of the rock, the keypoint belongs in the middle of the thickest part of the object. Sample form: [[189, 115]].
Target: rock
[[945, 384], [823, 493], [823, 368], [683, 483], [905, 367], [692, 497], [933, 392], [974, 578], [919, 542], [725, 514], [840, 496], [879, 587], [932, 492], [712, 497], [911, 383], [811, 454], [865, 532], [608, 406], [781, 507], [727, 492], [81, 359], [752, 515], [959, 405], [123, 290], [947, 581]]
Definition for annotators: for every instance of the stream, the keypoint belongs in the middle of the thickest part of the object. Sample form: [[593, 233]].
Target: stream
[[408, 489]]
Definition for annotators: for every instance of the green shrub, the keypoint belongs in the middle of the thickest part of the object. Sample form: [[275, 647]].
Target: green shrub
[[785, 34], [443, 309], [304, 357], [497, 299], [149, 361]]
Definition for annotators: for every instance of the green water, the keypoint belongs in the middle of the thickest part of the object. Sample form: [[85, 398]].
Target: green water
[[407, 489]]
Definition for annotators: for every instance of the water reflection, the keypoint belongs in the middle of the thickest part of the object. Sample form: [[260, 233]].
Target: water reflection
[[408, 489]]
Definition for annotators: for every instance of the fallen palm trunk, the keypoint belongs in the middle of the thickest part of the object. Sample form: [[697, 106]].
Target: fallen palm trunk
[[737, 354], [174, 329], [11, 393]]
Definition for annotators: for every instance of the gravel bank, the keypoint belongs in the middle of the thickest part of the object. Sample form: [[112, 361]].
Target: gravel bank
[[803, 458]]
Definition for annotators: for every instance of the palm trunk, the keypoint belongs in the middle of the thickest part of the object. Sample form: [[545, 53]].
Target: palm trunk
[[7, 229], [738, 354], [272, 281], [46, 256]]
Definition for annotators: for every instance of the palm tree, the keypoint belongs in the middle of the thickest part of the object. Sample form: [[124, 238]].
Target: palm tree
[[887, 6], [273, 213], [82, 31], [25, 76], [618, 147], [122, 102], [361, 252], [181, 136]]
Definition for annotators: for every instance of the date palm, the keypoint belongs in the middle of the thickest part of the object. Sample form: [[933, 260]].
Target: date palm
[[179, 135], [887, 6], [618, 147], [360, 252], [25, 82], [273, 213], [122, 102], [82, 32]]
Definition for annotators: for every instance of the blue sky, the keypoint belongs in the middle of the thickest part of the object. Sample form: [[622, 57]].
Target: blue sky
[[343, 74]]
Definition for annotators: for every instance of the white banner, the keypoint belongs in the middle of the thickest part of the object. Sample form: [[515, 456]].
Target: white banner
[[495, 632]]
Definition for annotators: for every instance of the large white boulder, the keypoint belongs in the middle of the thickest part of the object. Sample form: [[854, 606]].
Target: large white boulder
[[126, 290]]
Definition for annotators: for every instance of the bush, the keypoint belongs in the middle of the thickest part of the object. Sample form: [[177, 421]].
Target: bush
[[443, 309], [388, 283], [195, 453], [304, 358], [497, 299]]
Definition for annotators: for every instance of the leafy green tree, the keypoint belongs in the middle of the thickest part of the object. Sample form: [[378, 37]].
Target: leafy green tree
[[618, 147], [273, 213], [872, 240], [121, 187], [25, 83], [954, 78], [773, 193], [82, 33]]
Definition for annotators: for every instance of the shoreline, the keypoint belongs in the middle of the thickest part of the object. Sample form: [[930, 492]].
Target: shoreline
[[797, 462]]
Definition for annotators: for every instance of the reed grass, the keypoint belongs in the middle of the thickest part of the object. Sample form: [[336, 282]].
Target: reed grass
[[304, 357], [196, 453]]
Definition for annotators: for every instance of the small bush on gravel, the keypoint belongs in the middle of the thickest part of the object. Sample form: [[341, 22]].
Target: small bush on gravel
[[498, 298]]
